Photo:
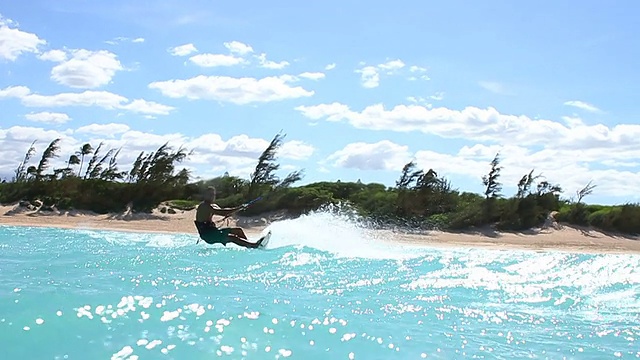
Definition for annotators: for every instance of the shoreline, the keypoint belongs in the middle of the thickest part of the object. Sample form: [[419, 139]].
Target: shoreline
[[566, 238]]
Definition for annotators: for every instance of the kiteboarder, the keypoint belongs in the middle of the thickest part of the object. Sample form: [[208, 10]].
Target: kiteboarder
[[207, 228]]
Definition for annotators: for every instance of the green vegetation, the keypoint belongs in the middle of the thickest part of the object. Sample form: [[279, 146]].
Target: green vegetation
[[419, 200]]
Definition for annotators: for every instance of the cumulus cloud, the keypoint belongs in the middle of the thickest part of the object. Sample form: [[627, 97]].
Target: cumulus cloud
[[570, 154], [555, 166], [109, 130], [234, 90], [370, 74], [212, 155], [183, 50], [83, 69], [103, 99], [296, 150], [53, 55], [215, 60], [15, 42], [383, 155], [330, 66], [268, 64], [48, 117], [484, 125], [236, 47]]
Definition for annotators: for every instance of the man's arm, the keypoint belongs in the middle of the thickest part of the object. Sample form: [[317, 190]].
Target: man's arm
[[217, 210]]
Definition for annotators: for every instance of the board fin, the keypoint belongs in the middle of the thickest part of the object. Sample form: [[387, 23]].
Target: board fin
[[265, 239]]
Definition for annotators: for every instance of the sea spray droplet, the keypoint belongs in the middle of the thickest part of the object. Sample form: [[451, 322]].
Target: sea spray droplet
[[285, 352], [123, 353]]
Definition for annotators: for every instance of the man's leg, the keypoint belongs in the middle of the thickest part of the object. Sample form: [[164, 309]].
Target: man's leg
[[237, 236], [241, 242], [238, 232]]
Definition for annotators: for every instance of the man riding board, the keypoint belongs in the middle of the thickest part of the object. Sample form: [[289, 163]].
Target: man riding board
[[207, 228]]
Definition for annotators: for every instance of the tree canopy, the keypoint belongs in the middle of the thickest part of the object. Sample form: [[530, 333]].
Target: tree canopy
[[420, 199]]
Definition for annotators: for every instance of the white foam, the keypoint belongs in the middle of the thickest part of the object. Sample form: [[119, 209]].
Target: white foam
[[340, 234]]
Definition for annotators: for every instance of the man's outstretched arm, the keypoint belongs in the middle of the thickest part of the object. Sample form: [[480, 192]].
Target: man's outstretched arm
[[225, 211]]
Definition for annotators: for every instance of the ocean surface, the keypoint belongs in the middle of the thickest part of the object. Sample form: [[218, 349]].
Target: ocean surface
[[325, 288]]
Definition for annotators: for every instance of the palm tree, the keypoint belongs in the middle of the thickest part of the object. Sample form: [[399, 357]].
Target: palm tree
[[86, 149]]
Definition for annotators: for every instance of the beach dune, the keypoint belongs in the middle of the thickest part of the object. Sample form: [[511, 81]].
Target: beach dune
[[561, 237]]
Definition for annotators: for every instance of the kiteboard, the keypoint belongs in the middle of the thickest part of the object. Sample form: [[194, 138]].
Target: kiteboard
[[265, 240]]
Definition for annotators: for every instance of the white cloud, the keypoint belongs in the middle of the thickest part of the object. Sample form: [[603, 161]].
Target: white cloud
[[48, 117], [84, 69], [110, 129], [235, 90], [236, 47], [53, 55], [295, 149], [568, 155], [312, 75], [573, 121], [383, 155], [392, 65], [370, 75], [15, 141], [183, 50], [212, 154], [582, 105], [215, 60], [556, 166], [103, 99], [138, 40], [268, 64], [15, 42], [330, 66], [142, 106], [486, 125]]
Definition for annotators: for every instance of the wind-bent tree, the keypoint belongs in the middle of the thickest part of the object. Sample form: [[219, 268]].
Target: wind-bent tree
[[49, 153], [544, 187], [490, 181], [93, 161], [96, 169], [85, 150], [587, 190], [492, 190], [111, 173], [409, 176], [158, 166], [264, 172], [524, 185], [21, 170]]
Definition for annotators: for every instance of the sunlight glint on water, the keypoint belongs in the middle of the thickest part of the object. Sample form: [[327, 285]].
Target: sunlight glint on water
[[325, 288]]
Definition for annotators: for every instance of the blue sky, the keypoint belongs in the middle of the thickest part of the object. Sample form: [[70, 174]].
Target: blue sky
[[360, 88]]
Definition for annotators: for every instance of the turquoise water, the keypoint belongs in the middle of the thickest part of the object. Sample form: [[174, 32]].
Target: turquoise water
[[323, 289]]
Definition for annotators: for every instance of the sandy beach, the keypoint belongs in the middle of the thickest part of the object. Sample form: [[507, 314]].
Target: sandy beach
[[562, 238]]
